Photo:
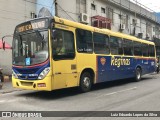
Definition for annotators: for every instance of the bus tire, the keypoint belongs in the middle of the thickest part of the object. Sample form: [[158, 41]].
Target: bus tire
[[138, 74], [85, 82]]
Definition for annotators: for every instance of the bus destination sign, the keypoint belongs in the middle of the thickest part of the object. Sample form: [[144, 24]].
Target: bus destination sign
[[32, 25]]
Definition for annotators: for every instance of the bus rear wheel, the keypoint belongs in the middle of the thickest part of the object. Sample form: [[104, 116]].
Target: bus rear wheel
[[138, 74], [85, 82]]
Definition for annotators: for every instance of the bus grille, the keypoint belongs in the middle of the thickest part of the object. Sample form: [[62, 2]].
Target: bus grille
[[26, 83]]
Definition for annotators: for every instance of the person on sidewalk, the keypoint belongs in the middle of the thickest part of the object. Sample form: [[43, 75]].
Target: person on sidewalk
[[1, 78], [157, 65]]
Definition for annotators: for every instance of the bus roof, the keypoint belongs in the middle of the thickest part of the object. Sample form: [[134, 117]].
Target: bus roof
[[104, 31]]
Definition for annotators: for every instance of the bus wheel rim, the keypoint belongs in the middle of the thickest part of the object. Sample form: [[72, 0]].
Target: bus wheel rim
[[138, 75], [86, 82]]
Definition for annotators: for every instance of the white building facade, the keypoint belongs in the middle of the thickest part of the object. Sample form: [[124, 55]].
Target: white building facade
[[124, 16], [12, 13]]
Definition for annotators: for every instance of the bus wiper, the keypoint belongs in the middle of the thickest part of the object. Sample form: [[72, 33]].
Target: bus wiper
[[39, 35], [23, 48]]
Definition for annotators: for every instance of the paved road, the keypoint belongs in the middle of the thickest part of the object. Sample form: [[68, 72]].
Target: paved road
[[123, 95]]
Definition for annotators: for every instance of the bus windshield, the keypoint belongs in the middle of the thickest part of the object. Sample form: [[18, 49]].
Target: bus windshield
[[30, 48]]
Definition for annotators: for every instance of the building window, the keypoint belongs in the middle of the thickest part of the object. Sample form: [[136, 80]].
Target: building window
[[153, 29], [80, 6], [93, 6], [110, 14], [103, 10]]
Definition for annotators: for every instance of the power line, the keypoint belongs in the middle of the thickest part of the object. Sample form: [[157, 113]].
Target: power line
[[66, 12]]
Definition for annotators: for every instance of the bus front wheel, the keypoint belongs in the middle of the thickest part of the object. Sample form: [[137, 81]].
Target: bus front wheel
[[85, 82], [138, 74]]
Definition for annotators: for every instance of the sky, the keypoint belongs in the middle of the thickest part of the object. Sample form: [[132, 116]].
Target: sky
[[152, 4]]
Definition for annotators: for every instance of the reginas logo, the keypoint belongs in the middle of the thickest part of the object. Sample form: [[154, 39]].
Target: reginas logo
[[103, 61], [119, 61]]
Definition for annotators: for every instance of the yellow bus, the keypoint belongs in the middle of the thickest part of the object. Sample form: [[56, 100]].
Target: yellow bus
[[54, 53]]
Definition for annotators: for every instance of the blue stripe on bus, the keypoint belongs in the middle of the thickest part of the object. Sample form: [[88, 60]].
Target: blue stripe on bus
[[116, 67], [30, 73]]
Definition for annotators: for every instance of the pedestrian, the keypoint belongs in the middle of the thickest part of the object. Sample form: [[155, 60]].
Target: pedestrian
[[157, 70], [1, 78]]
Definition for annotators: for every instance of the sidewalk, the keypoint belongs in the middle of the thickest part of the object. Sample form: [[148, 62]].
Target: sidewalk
[[7, 88]]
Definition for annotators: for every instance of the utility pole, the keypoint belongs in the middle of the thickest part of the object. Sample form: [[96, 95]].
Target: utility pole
[[56, 8]]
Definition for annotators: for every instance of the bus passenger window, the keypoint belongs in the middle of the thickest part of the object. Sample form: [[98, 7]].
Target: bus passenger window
[[137, 49], [145, 49], [101, 43], [62, 44], [84, 41], [116, 45], [128, 47], [151, 51]]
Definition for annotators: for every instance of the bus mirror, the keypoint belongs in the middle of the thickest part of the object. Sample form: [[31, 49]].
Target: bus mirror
[[4, 45]]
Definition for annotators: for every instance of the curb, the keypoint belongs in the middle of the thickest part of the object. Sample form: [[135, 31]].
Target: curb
[[9, 91], [4, 89]]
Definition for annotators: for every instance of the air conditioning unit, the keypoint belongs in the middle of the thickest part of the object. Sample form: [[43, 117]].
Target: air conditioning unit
[[122, 26], [84, 18]]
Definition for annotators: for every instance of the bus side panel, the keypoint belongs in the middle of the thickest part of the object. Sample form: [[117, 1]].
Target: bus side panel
[[86, 61], [114, 67], [148, 65], [152, 65]]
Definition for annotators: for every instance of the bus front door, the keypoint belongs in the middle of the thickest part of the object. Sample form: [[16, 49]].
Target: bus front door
[[64, 58], [64, 74]]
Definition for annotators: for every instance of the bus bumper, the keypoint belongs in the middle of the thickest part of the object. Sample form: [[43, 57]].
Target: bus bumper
[[44, 84]]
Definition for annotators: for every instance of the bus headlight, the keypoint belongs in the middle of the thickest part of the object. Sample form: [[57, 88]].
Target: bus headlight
[[14, 74], [44, 73]]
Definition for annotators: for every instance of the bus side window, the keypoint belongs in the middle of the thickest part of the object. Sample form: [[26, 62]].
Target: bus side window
[[116, 45], [63, 44], [101, 43], [84, 41], [137, 48], [145, 50], [120, 47], [128, 47], [151, 51]]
